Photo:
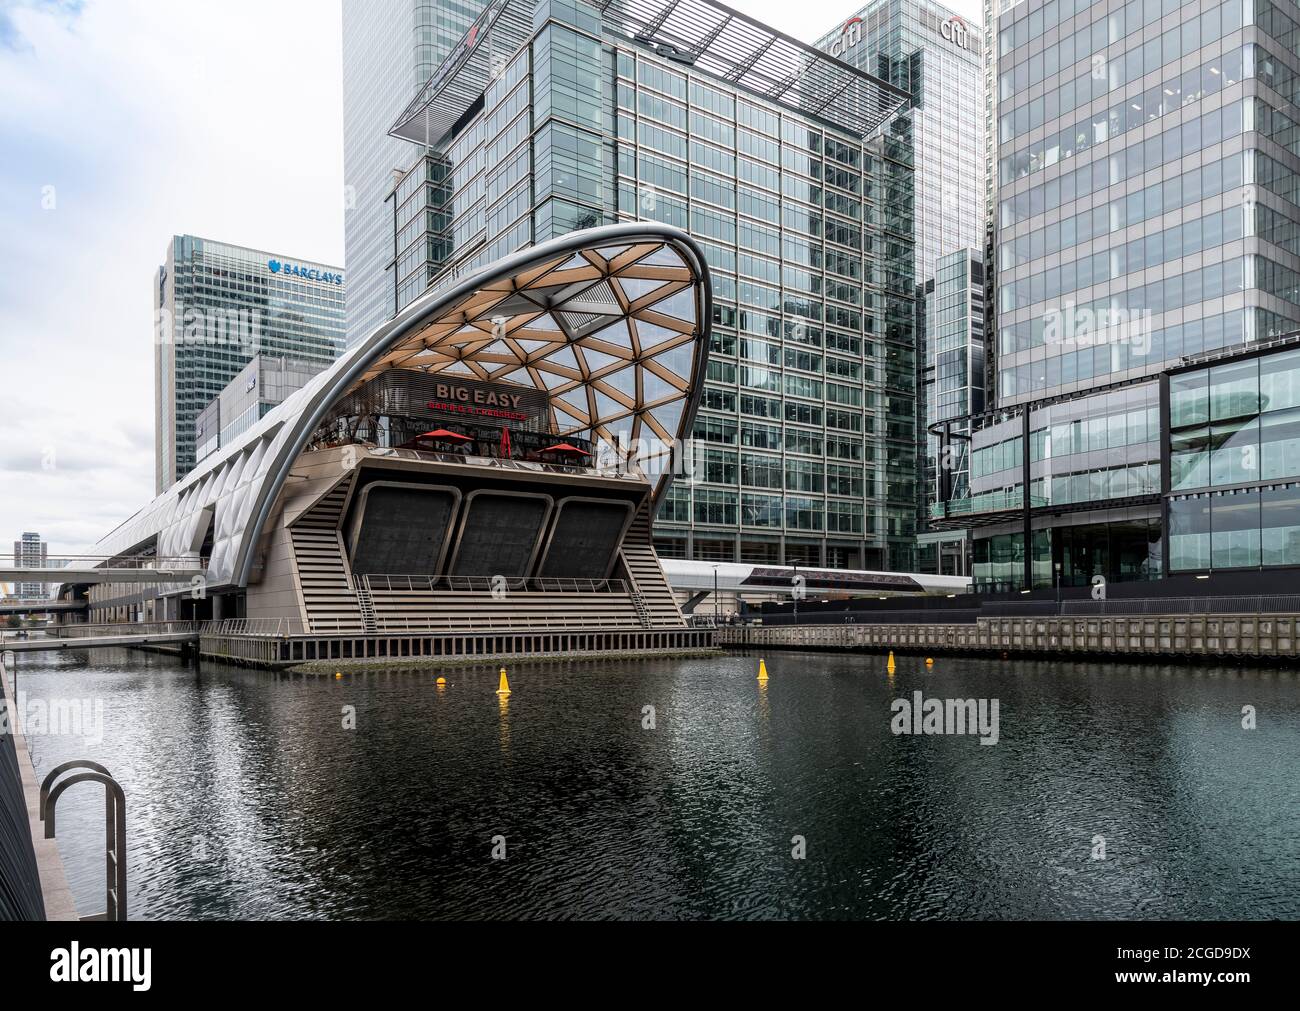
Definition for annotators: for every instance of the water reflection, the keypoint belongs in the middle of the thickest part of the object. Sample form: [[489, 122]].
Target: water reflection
[[249, 797]]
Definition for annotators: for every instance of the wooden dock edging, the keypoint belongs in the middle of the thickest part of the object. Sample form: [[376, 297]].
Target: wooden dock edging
[[1247, 636]]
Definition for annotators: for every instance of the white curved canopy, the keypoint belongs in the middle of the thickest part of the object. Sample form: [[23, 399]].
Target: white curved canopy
[[611, 323]]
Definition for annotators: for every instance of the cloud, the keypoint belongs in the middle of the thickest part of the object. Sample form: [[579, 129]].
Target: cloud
[[124, 122], [12, 11]]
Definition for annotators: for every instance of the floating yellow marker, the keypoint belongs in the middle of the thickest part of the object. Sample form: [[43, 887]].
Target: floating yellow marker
[[762, 670], [929, 661], [504, 689], [890, 665], [338, 675], [442, 681]]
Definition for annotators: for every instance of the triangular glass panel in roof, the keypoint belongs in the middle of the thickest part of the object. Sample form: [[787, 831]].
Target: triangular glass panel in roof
[[563, 355], [652, 335], [612, 252], [496, 348], [669, 417], [655, 387], [597, 360], [552, 379], [576, 260], [458, 369], [542, 322], [663, 257], [574, 400], [608, 407], [676, 360], [617, 334], [624, 381], [621, 430], [638, 287], [520, 376], [679, 305], [530, 346]]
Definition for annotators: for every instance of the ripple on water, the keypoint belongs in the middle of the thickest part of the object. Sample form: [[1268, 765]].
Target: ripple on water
[[247, 798]]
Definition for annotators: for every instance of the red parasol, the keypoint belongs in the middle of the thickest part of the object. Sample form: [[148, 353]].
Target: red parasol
[[564, 447], [505, 443], [442, 433]]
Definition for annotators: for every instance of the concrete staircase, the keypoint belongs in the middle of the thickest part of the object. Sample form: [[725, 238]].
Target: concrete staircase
[[328, 596], [651, 594]]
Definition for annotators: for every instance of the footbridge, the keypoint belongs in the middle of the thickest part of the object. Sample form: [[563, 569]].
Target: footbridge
[[64, 637], [86, 569]]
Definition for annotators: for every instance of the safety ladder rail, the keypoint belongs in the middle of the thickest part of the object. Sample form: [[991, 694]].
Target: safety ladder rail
[[114, 827]]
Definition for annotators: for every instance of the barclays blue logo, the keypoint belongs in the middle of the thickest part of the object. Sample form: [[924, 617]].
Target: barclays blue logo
[[306, 273]]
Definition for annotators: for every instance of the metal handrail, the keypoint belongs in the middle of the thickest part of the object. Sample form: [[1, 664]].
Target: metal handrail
[[80, 630], [106, 562], [489, 584], [114, 826]]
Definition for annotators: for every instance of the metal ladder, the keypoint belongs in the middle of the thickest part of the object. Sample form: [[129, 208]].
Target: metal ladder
[[638, 601], [366, 604], [114, 828]]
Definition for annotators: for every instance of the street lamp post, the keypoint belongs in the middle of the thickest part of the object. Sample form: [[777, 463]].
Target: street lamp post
[[717, 613]]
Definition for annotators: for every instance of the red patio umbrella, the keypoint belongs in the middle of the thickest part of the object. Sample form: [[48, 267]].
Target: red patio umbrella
[[505, 442], [442, 433], [564, 447]]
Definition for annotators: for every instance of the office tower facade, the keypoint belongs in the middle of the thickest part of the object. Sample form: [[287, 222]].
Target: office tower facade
[[953, 379], [1146, 286], [931, 52], [30, 552], [266, 381], [552, 117], [218, 305], [390, 50]]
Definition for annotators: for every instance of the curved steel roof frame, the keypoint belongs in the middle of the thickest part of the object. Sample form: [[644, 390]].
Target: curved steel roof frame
[[611, 323]]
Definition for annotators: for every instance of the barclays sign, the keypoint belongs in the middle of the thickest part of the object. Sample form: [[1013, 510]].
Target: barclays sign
[[306, 273]]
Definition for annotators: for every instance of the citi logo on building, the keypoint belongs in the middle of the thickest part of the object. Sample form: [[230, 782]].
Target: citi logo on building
[[850, 36], [953, 29], [307, 273]]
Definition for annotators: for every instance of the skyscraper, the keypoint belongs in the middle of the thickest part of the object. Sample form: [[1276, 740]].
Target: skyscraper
[[1145, 257], [931, 52], [390, 50], [216, 306], [789, 169], [30, 552]]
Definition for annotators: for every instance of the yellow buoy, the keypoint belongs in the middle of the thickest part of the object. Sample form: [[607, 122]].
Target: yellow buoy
[[762, 670], [929, 661], [442, 681], [504, 688], [890, 665], [337, 675]]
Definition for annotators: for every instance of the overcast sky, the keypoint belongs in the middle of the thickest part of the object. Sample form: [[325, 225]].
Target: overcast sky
[[122, 123]]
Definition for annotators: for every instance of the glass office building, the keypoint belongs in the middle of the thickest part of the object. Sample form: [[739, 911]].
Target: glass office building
[[390, 49], [952, 383], [1145, 224], [932, 53], [792, 171], [261, 385], [217, 306]]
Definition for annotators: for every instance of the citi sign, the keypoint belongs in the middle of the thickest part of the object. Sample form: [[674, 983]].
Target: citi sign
[[850, 36], [951, 29], [306, 273]]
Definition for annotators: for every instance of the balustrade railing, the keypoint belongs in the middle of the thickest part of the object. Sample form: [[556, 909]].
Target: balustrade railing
[[491, 584]]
